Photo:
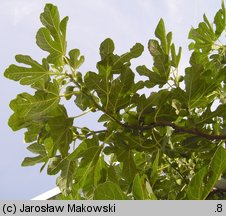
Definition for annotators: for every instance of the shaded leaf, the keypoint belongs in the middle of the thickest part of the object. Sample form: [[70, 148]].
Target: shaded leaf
[[129, 167], [31, 161], [109, 191], [113, 95], [107, 47], [154, 78], [37, 149], [61, 133], [32, 131], [65, 180], [155, 166], [54, 166], [135, 52], [198, 86]]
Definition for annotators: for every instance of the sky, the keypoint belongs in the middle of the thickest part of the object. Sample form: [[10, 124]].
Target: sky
[[90, 22]]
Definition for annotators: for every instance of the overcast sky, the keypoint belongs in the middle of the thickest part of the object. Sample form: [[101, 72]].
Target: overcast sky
[[90, 22]]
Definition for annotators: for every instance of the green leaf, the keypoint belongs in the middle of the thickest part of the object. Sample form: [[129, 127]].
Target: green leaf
[[208, 116], [129, 167], [55, 165], [65, 180], [203, 36], [134, 52], [154, 78], [114, 64], [175, 57], [83, 101], [216, 167], [113, 95], [37, 149], [28, 75], [154, 48], [199, 86], [17, 123], [52, 37], [196, 186], [88, 155], [75, 59], [60, 129], [112, 174], [220, 20], [155, 166], [35, 106], [32, 131], [69, 92], [160, 33], [119, 95], [31, 161], [205, 179], [107, 47], [139, 188], [109, 191], [97, 83], [161, 60], [96, 176], [100, 171], [35, 126]]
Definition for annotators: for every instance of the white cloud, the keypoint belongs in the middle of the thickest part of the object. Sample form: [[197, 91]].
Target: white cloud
[[16, 11], [21, 10], [174, 10], [144, 4]]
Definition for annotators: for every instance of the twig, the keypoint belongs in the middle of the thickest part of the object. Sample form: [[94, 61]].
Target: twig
[[178, 129]]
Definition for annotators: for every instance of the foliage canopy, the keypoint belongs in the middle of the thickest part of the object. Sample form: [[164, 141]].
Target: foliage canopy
[[166, 143]]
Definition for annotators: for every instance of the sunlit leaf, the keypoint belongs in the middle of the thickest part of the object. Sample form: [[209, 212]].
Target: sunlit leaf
[[220, 20], [28, 75], [52, 37], [139, 188], [196, 186], [34, 106], [203, 36], [160, 32], [216, 167], [75, 59]]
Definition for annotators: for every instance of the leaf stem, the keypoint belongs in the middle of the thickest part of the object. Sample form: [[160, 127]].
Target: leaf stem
[[82, 114]]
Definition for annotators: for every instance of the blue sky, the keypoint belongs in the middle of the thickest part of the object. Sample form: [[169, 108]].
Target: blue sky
[[90, 22]]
